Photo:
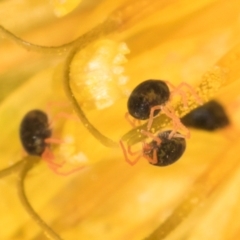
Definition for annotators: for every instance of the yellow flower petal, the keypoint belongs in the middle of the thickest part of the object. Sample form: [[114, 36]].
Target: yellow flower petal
[[196, 198], [63, 7]]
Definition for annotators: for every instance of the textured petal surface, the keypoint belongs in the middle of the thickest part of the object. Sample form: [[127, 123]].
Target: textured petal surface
[[178, 41]]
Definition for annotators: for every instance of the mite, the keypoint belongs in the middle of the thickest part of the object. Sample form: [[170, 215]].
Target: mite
[[167, 152], [161, 151], [34, 130], [146, 95], [153, 96]]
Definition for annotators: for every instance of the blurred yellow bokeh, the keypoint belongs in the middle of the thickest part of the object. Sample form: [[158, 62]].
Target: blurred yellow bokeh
[[173, 40]]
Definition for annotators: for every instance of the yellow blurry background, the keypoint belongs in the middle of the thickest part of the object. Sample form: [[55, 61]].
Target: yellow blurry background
[[174, 40]]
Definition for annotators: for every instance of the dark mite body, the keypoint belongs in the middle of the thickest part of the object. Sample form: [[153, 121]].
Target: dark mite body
[[169, 151], [34, 129], [210, 116], [146, 95]]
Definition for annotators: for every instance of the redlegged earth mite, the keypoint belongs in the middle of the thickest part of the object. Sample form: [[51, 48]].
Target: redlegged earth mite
[[152, 96], [34, 130], [161, 151], [36, 137]]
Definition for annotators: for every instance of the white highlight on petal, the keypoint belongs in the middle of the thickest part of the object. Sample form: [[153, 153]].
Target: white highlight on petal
[[79, 158], [63, 7], [69, 151], [97, 74]]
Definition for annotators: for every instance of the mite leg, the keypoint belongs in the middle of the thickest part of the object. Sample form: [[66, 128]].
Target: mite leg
[[129, 152]]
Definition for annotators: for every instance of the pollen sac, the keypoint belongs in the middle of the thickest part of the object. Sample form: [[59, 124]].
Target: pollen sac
[[169, 151], [97, 74], [210, 116], [34, 129], [146, 95]]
